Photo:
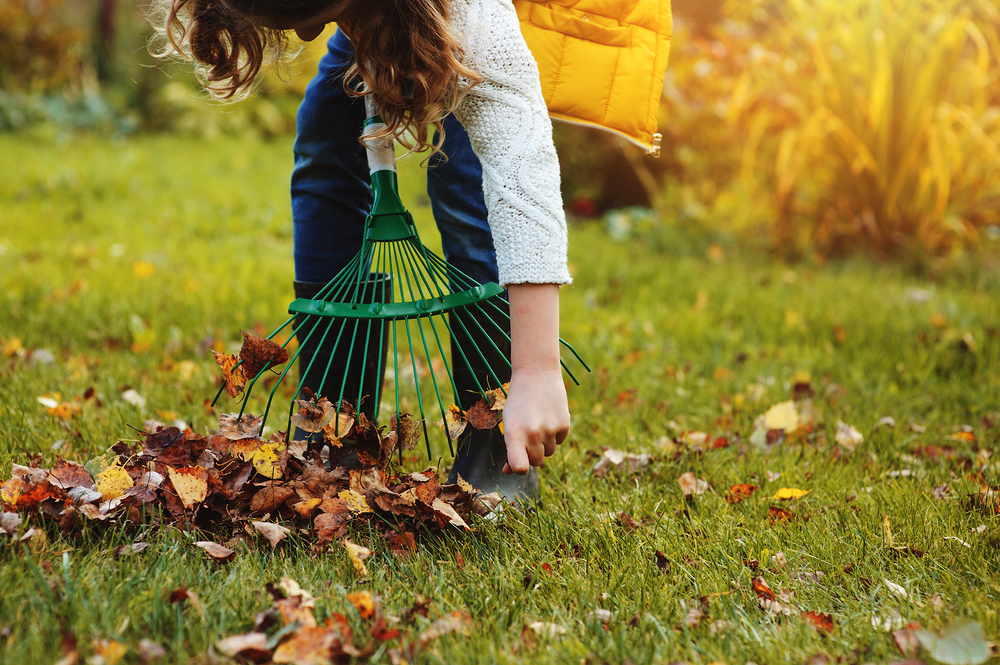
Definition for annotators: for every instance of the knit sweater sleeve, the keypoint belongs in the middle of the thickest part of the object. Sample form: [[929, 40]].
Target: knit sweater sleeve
[[511, 133]]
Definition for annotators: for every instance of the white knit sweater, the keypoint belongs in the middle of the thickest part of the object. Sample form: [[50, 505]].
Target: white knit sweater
[[510, 132]]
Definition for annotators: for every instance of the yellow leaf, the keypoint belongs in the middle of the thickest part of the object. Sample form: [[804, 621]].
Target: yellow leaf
[[265, 459], [464, 485], [354, 501], [113, 482], [191, 485], [782, 416], [358, 554], [790, 493]]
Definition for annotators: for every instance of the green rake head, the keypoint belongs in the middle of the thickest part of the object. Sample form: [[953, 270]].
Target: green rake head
[[399, 307]]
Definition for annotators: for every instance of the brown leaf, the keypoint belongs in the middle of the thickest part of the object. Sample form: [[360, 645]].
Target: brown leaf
[[662, 562], [70, 474], [739, 492], [626, 521], [481, 416], [274, 533], [407, 430], [427, 491], [234, 376], [820, 621], [269, 499], [308, 646], [775, 514], [258, 353], [330, 526], [401, 544], [236, 428], [314, 415], [219, 553]]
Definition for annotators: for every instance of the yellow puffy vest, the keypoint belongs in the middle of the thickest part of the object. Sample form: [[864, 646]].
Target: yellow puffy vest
[[601, 61]]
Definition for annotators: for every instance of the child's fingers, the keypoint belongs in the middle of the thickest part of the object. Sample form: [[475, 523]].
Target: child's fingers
[[517, 456]]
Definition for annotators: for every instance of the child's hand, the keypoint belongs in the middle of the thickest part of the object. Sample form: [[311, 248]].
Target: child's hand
[[535, 418]]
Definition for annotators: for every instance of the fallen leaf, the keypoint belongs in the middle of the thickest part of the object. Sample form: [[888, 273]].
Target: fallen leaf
[[219, 553], [110, 650], [847, 436], [692, 486], [786, 493], [254, 642], [112, 482], [274, 533], [259, 354], [738, 493], [895, 589], [906, 639], [270, 498], [444, 509], [307, 646], [314, 416], [407, 430], [233, 373], [454, 422], [190, 483], [358, 554], [783, 416], [355, 502], [363, 602], [820, 621], [545, 630], [265, 459], [234, 427]]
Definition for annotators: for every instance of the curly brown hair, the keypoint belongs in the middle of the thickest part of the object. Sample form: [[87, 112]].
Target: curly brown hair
[[407, 57]]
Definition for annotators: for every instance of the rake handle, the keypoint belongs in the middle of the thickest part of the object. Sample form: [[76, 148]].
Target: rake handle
[[381, 152]]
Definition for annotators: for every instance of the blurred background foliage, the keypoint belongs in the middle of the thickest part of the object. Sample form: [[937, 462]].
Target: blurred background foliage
[[826, 127]]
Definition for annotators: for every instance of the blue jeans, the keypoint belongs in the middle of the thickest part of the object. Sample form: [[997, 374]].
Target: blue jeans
[[331, 194]]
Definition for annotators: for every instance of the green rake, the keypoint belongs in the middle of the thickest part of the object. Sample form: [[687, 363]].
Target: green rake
[[395, 291]]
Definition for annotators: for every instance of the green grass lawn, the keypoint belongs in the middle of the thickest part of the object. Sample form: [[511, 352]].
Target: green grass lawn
[[127, 262]]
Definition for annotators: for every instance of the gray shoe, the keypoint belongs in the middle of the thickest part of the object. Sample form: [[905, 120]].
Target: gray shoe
[[480, 461]]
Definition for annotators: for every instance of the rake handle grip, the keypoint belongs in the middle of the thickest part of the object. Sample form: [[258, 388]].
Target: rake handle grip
[[381, 152]]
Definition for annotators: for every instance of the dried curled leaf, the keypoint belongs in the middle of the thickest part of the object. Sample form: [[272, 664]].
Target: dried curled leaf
[[233, 373], [235, 428], [454, 422], [219, 553], [358, 554], [258, 354], [313, 415]]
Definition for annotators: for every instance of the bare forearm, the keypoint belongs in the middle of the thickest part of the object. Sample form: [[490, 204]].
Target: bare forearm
[[534, 327]]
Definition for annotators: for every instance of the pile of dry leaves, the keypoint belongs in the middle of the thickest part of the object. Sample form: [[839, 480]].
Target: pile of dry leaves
[[235, 481]]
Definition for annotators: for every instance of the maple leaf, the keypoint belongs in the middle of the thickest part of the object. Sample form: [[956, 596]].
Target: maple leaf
[[259, 354], [233, 374]]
